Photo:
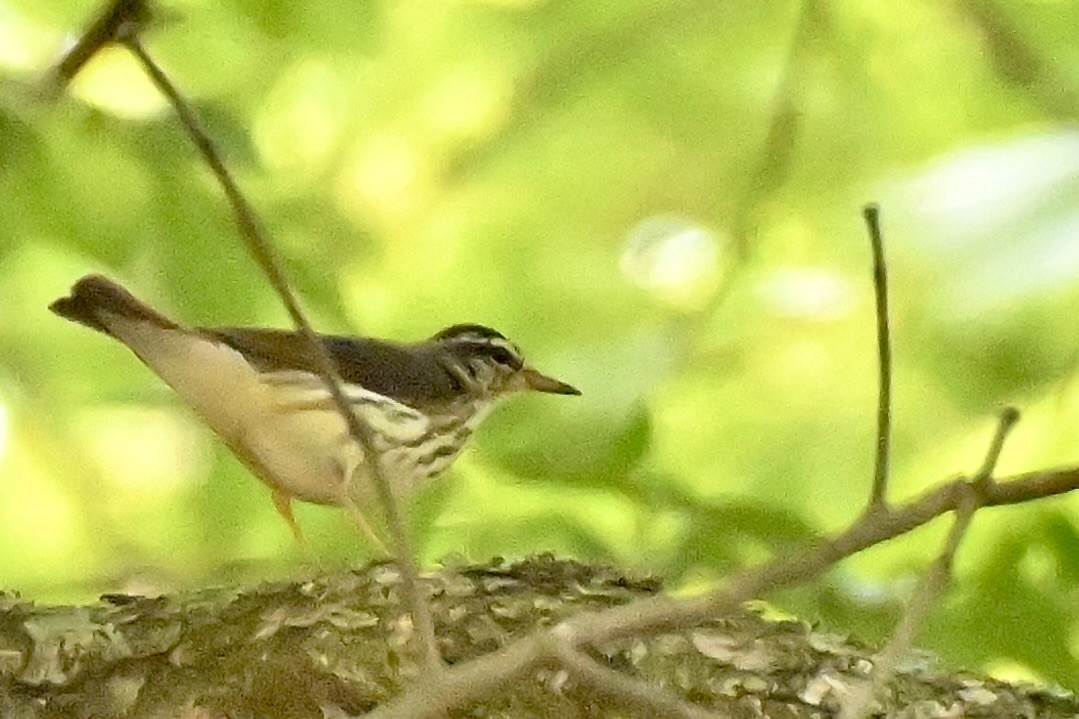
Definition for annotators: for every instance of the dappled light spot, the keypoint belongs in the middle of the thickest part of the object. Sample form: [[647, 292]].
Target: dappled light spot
[[299, 125], [969, 194], [113, 83], [468, 102], [25, 45], [146, 454], [5, 431], [675, 259], [512, 4], [386, 177], [1039, 565], [810, 293], [1014, 672], [997, 222], [39, 522]]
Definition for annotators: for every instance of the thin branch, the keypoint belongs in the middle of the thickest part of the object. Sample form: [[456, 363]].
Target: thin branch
[[121, 23], [929, 589], [879, 493], [259, 245], [106, 28], [471, 681], [935, 580], [651, 700], [1008, 417]]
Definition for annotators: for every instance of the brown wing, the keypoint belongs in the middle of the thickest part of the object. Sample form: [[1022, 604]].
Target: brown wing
[[409, 374]]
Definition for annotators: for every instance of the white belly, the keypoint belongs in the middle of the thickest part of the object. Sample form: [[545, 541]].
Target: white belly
[[304, 454], [283, 426], [299, 453]]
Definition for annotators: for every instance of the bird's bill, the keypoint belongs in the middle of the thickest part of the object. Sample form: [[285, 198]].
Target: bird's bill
[[540, 382]]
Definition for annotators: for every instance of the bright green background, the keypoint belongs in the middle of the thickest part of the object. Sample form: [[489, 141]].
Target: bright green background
[[659, 201]]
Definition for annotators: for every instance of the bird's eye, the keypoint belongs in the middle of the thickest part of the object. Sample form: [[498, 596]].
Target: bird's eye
[[504, 357]]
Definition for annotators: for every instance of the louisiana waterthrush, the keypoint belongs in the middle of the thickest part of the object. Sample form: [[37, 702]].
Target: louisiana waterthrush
[[260, 392]]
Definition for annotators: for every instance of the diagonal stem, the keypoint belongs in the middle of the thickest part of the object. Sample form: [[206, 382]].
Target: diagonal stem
[[929, 588], [972, 496], [116, 18], [259, 246], [121, 21], [649, 700], [1008, 417]]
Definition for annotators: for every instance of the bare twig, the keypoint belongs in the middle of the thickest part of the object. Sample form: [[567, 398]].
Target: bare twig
[[936, 578], [122, 23], [106, 28], [929, 588], [925, 595], [879, 493], [259, 246], [651, 700], [1008, 417]]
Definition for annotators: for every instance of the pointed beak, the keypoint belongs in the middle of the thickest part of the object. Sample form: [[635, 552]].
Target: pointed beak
[[542, 383]]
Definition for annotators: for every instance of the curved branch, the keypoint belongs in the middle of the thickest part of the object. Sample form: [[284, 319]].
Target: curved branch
[[466, 684]]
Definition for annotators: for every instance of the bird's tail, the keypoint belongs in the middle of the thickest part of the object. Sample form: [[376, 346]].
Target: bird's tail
[[94, 299]]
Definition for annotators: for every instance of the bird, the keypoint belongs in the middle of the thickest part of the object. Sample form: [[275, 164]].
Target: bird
[[259, 390]]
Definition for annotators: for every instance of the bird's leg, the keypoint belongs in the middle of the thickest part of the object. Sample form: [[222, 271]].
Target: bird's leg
[[365, 527], [354, 511], [283, 503]]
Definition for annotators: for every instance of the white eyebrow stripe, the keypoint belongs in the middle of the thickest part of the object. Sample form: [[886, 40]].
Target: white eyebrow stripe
[[486, 342]]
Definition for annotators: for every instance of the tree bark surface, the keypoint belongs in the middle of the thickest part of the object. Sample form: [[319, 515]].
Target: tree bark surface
[[339, 645]]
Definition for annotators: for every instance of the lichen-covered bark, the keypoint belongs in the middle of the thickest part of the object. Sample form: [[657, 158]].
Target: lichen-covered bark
[[339, 645]]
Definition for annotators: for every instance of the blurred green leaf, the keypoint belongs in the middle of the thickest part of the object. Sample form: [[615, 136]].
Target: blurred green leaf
[[1010, 615], [420, 165], [585, 450]]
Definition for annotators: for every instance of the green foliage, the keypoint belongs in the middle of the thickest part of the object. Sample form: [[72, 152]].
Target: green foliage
[[659, 202]]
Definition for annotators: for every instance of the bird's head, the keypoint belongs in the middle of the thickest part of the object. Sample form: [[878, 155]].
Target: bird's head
[[490, 363]]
